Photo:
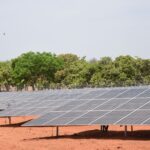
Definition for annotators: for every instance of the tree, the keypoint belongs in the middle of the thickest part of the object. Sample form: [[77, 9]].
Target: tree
[[76, 73], [68, 58], [33, 69], [46, 70], [128, 70], [5, 75]]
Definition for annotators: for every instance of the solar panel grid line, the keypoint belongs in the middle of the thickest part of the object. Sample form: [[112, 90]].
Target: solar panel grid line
[[26, 113], [54, 95], [93, 97], [45, 118], [36, 112], [144, 109], [21, 105], [30, 103], [39, 104], [136, 118], [80, 121], [135, 103], [63, 103], [111, 104], [146, 106], [97, 106], [27, 103], [135, 109], [83, 94], [131, 113], [89, 106], [91, 92], [64, 96], [144, 97], [79, 100], [112, 117], [68, 111], [9, 112], [74, 98], [23, 111], [146, 94], [35, 103], [103, 93], [64, 113], [43, 112], [131, 93], [145, 121], [117, 106]]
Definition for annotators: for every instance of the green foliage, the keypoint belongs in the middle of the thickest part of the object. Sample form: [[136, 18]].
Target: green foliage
[[32, 69], [68, 58], [5, 75], [46, 70]]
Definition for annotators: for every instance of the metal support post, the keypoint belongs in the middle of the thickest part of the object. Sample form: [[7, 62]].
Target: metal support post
[[101, 127], [131, 128], [125, 132], [57, 131], [9, 120]]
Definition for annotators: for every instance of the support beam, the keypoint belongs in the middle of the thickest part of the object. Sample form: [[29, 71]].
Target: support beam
[[9, 120], [57, 131], [104, 128], [52, 131], [131, 128], [101, 128], [125, 131]]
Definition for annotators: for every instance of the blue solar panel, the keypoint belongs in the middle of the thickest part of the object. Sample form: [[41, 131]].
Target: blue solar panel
[[80, 106]]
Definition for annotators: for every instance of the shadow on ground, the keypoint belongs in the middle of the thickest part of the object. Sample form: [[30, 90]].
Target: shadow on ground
[[15, 124], [97, 134]]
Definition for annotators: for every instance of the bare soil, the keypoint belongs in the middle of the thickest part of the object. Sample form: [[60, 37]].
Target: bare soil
[[72, 137]]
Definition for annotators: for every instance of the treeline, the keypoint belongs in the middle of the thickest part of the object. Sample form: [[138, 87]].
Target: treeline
[[47, 70]]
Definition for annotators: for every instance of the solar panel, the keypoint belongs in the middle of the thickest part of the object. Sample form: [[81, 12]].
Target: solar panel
[[134, 104], [111, 117], [145, 94], [89, 105], [45, 118], [136, 117], [146, 122], [47, 99], [112, 104], [131, 93], [147, 106], [94, 94], [112, 93], [81, 106], [87, 118]]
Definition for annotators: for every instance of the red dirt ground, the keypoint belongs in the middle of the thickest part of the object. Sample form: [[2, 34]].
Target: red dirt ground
[[72, 138]]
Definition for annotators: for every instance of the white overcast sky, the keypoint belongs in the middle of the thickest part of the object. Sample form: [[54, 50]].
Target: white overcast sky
[[92, 28]]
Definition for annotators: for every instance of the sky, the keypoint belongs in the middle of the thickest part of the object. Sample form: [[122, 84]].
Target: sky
[[91, 28]]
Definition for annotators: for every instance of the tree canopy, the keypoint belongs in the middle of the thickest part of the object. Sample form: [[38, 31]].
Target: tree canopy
[[46, 70]]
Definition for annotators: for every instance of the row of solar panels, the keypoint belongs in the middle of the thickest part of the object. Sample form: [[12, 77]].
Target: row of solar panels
[[104, 106], [79, 105], [38, 102], [138, 117]]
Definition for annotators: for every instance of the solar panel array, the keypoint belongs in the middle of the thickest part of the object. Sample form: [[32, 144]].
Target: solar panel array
[[82, 106], [34, 103]]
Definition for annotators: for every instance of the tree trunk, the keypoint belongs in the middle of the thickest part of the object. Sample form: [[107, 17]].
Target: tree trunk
[[26, 87], [7, 87], [33, 87]]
